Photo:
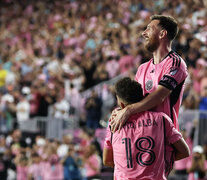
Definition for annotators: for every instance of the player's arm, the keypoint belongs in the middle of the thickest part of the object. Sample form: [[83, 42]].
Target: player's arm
[[108, 159], [181, 149], [152, 100]]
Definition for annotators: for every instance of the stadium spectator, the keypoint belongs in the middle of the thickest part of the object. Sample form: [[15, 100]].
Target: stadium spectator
[[198, 165], [61, 107], [35, 169], [71, 166], [23, 106], [91, 163], [54, 168], [93, 106], [21, 162]]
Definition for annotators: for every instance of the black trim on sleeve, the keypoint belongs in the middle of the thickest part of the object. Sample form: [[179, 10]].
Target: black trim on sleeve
[[168, 82], [178, 59]]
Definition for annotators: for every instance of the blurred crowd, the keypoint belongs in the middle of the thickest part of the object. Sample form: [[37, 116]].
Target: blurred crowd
[[75, 157], [51, 52]]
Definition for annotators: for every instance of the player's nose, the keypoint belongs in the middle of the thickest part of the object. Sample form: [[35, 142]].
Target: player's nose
[[144, 33]]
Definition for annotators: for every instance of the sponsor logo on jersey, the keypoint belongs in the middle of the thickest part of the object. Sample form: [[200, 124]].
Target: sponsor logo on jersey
[[173, 71], [148, 85]]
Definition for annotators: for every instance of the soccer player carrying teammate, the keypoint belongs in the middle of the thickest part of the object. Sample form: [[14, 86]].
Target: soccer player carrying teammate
[[162, 77], [147, 143]]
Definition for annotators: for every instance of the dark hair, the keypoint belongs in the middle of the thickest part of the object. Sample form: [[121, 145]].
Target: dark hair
[[129, 90], [168, 23]]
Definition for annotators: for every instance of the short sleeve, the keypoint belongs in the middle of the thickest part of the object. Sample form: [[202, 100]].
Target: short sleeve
[[107, 141], [175, 72]]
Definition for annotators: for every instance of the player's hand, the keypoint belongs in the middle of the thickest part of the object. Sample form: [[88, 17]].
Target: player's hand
[[113, 114], [118, 119]]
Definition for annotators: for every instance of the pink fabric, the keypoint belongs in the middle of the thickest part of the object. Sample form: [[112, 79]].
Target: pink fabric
[[142, 140], [54, 172], [95, 160], [126, 63], [144, 14], [76, 132], [36, 170], [170, 73], [112, 68], [22, 172], [34, 103], [74, 97], [196, 86], [70, 41]]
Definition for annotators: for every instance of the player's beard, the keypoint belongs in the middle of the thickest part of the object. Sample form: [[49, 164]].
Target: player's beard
[[152, 44]]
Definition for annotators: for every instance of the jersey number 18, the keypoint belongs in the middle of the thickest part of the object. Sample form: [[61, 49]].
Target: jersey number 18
[[142, 151]]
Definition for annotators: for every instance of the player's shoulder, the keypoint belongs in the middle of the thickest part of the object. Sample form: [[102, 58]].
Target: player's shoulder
[[158, 115], [175, 60]]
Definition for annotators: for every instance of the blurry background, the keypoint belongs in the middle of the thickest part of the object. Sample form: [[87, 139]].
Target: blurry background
[[58, 63]]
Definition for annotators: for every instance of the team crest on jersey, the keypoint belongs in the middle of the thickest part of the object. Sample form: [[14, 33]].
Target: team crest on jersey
[[173, 71], [148, 85]]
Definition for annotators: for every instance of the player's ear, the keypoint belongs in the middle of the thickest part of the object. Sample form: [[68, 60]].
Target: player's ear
[[163, 33]]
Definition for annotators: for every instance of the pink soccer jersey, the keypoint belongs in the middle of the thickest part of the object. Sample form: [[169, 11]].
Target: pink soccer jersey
[[170, 73], [142, 150]]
